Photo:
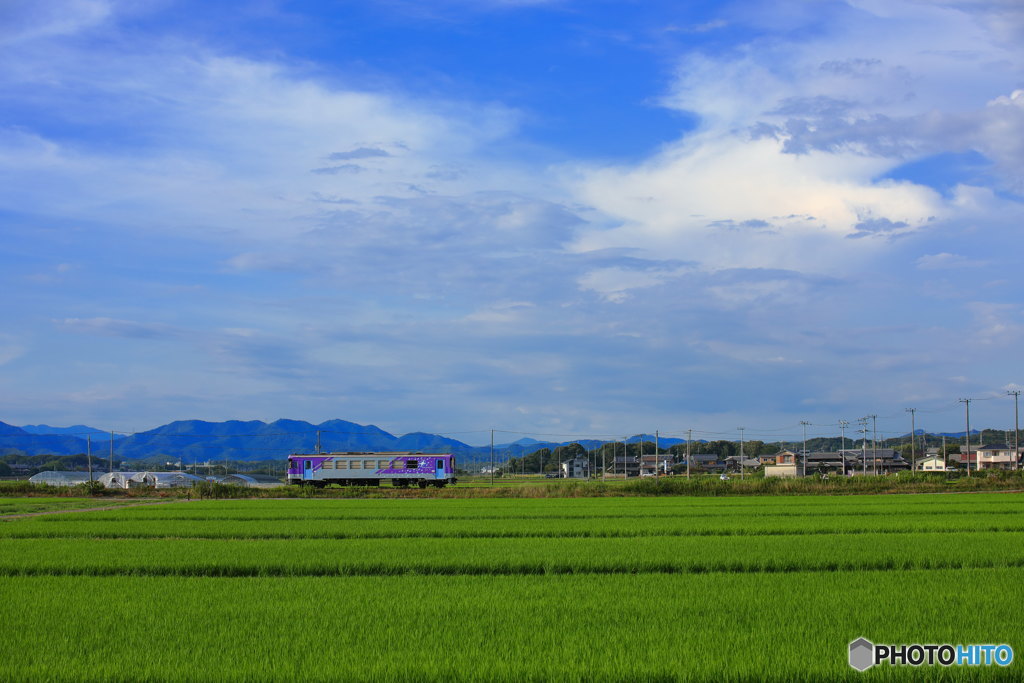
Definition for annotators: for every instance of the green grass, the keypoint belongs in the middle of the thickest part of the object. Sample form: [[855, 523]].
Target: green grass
[[613, 588], [21, 506]]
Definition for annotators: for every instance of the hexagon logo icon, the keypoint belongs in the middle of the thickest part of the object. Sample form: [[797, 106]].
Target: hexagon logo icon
[[862, 654]]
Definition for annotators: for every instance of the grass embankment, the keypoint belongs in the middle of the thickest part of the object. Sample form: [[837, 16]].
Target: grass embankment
[[677, 485]]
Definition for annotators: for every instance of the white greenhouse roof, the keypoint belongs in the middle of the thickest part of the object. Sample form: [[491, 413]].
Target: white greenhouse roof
[[61, 478]]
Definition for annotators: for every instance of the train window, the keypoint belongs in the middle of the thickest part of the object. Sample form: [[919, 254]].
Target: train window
[[411, 464], [341, 464], [383, 464], [328, 464], [355, 464], [369, 464]]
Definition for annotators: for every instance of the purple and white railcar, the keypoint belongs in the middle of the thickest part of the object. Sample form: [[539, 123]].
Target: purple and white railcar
[[370, 469]]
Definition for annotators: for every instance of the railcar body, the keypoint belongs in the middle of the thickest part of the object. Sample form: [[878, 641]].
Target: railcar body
[[370, 469]]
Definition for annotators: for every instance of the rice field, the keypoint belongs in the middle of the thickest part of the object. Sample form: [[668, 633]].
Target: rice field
[[23, 506], [670, 588]]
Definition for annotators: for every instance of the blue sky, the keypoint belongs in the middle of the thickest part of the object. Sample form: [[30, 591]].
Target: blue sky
[[547, 217]]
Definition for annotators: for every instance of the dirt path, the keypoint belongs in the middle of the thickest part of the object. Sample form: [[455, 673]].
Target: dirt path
[[95, 509]]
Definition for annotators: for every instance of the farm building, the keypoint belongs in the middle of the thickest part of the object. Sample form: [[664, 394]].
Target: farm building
[[252, 481], [60, 478]]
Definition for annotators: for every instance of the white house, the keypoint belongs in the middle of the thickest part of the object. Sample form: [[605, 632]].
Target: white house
[[932, 463], [576, 468], [997, 456]]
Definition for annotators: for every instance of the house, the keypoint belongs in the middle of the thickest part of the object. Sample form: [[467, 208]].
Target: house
[[575, 468], [875, 461], [708, 462], [783, 464], [829, 462], [625, 464], [653, 465], [931, 463], [733, 463], [997, 456]]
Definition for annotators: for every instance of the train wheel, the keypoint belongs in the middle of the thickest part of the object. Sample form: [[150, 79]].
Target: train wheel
[[423, 484]]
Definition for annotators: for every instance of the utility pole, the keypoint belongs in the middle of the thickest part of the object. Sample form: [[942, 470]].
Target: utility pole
[[805, 423], [944, 465], [492, 457], [874, 444], [689, 438], [657, 452], [842, 449], [1016, 429], [111, 461], [913, 439], [318, 442], [863, 445], [88, 453], [640, 460], [967, 433], [741, 450]]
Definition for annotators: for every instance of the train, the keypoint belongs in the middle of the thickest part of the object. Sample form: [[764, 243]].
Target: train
[[402, 469]]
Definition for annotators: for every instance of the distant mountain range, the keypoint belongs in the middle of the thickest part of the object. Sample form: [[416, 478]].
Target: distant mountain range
[[74, 430], [200, 441]]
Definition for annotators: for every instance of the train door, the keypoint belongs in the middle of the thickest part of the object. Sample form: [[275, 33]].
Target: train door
[[439, 468], [307, 469]]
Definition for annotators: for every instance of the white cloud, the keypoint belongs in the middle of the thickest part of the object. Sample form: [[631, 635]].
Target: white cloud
[[795, 137]]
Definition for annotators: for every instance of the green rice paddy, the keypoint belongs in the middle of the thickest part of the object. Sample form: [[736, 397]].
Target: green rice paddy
[[670, 588]]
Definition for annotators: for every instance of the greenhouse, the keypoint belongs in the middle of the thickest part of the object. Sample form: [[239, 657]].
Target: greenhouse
[[60, 478], [118, 480], [164, 480]]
